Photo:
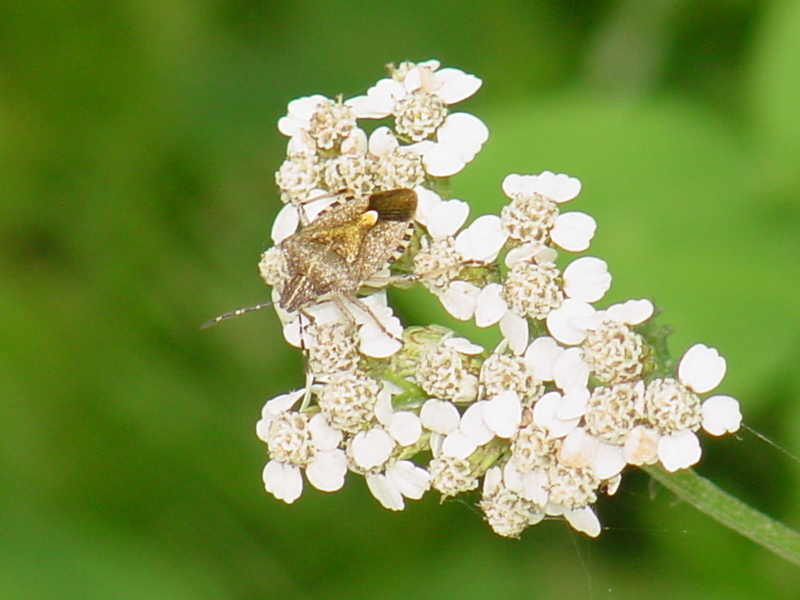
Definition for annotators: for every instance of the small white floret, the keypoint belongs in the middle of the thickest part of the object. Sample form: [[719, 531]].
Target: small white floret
[[490, 306], [587, 278], [440, 416], [482, 240], [541, 355], [503, 414], [460, 299], [371, 448], [385, 492], [326, 472], [583, 520], [405, 427], [446, 217], [573, 231], [679, 451], [721, 414], [701, 368], [283, 481]]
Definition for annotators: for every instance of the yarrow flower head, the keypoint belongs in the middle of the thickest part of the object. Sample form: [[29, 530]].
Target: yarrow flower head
[[543, 423]]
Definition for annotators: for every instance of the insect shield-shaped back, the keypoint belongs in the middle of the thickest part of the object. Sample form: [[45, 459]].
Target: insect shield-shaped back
[[345, 245]]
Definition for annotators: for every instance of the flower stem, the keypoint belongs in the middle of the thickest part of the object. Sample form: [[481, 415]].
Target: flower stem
[[730, 511]]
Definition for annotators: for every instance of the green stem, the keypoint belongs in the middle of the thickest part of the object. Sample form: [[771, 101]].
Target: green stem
[[730, 511]]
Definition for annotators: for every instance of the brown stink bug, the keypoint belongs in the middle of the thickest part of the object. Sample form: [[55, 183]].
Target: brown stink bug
[[348, 242]]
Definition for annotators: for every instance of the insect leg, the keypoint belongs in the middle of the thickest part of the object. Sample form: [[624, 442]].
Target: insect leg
[[339, 301]]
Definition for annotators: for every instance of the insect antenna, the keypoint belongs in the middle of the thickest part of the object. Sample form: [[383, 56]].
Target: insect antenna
[[235, 313]]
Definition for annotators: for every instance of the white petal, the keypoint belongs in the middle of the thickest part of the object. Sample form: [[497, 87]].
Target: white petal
[[280, 404], [301, 143], [544, 411], [544, 415], [300, 111], [503, 414], [490, 306], [564, 323], [679, 451], [291, 332], [721, 414], [319, 200], [474, 425], [435, 443], [384, 411], [409, 479], [440, 416], [432, 64], [612, 485], [587, 278], [380, 100], [326, 472], [324, 313], [375, 342], [426, 201], [417, 78], [570, 370], [573, 403], [385, 492], [285, 223], [441, 160], [360, 106], [559, 188], [283, 481], [579, 449], [421, 148], [512, 477], [405, 428], [324, 435], [583, 520], [467, 389], [465, 132], [541, 355], [535, 488], [482, 240], [370, 449], [463, 346], [632, 312], [641, 447], [608, 461], [382, 142], [530, 485], [701, 368], [458, 445], [539, 253], [492, 481], [355, 142], [447, 217], [453, 85], [573, 231], [514, 184], [460, 299], [515, 329], [374, 339]]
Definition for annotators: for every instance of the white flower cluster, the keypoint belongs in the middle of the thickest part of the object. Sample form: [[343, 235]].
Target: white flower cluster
[[542, 423], [329, 153]]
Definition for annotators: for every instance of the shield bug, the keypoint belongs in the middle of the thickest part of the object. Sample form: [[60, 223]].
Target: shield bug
[[348, 242]]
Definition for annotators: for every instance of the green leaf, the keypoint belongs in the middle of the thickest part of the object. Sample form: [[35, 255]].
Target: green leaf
[[731, 512]]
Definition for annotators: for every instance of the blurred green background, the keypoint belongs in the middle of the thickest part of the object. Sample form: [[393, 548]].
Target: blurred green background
[[138, 143]]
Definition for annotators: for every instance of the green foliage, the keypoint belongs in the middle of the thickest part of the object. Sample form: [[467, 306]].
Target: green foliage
[[138, 143]]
